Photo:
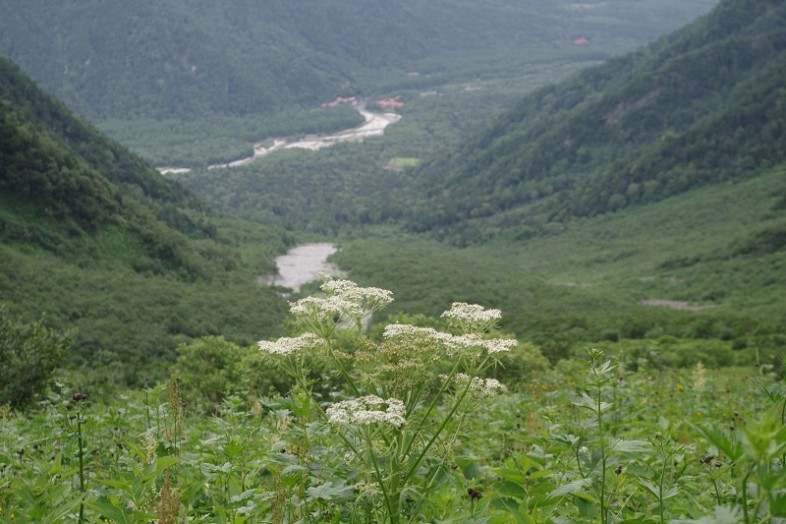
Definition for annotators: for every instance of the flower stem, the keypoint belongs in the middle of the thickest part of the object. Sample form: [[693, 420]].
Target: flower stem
[[80, 444], [436, 434]]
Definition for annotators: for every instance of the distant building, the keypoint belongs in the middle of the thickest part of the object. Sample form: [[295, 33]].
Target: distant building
[[389, 102], [581, 40]]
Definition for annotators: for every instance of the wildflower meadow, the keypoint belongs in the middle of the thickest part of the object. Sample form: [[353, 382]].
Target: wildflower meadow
[[441, 420]]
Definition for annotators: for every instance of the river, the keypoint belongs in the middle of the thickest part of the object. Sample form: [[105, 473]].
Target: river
[[302, 264], [374, 125]]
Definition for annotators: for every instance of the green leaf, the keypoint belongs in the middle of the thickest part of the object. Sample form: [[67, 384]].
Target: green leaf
[[165, 462], [632, 446], [778, 505], [328, 491], [294, 468], [57, 514], [469, 468], [225, 468], [570, 488], [109, 510], [723, 515], [731, 448], [591, 404], [511, 507], [510, 489]]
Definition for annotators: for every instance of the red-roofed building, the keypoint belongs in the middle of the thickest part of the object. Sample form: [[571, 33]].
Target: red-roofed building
[[390, 102]]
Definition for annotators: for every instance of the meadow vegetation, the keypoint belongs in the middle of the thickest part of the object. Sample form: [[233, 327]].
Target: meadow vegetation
[[405, 424], [626, 364]]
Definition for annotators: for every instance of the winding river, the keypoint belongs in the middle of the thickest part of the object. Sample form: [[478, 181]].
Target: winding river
[[374, 125]]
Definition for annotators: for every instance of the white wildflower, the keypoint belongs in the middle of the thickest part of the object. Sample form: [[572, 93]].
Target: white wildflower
[[499, 345], [407, 330], [462, 342], [491, 386], [287, 345], [473, 340], [451, 343], [372, 298], [482, 387], [323, 309], [473, 316], [367, 410]]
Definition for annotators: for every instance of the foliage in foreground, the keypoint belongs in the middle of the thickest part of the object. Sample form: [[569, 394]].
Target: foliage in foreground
[[30, 353], [394, 434]]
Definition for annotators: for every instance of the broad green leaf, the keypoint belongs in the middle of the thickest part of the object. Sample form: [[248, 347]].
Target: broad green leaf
[[631, 446], [57, 514], [570, 488], [294, 468], [511, 508], [719, 439], [469, 468], [329, 491], [510, 489], [109, 510]]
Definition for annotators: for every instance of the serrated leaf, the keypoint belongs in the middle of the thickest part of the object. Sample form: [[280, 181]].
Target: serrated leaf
[[224, 468], [510, 489], [109, 510], [511, 507], [469, 468], [294, 468], [57, 514], [329, 491], [723, 515], [570, 488], [632, 446], [730, 448]]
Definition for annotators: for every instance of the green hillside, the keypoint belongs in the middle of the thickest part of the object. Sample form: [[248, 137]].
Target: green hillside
[[186, 59], [698, 107], [95, 239], [696, 276]]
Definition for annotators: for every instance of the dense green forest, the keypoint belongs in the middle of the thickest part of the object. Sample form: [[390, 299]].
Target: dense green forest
[[191, 84], [177, 58]]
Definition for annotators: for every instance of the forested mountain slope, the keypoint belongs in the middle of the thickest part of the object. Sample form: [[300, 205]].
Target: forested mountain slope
[[97, 240], [73, 179], [180, 58], [703, 105]]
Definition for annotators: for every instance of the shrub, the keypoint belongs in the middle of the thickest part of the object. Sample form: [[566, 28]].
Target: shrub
[[207, 369], [29, 353]]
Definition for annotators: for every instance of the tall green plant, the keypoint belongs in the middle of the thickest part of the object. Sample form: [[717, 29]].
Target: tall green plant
[[405, 396]]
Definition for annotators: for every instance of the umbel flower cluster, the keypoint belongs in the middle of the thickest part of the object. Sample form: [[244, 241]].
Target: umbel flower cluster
[[472, 318], [345, 301], [451, 343], [367, 410], [288, 345], [438, 374]]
